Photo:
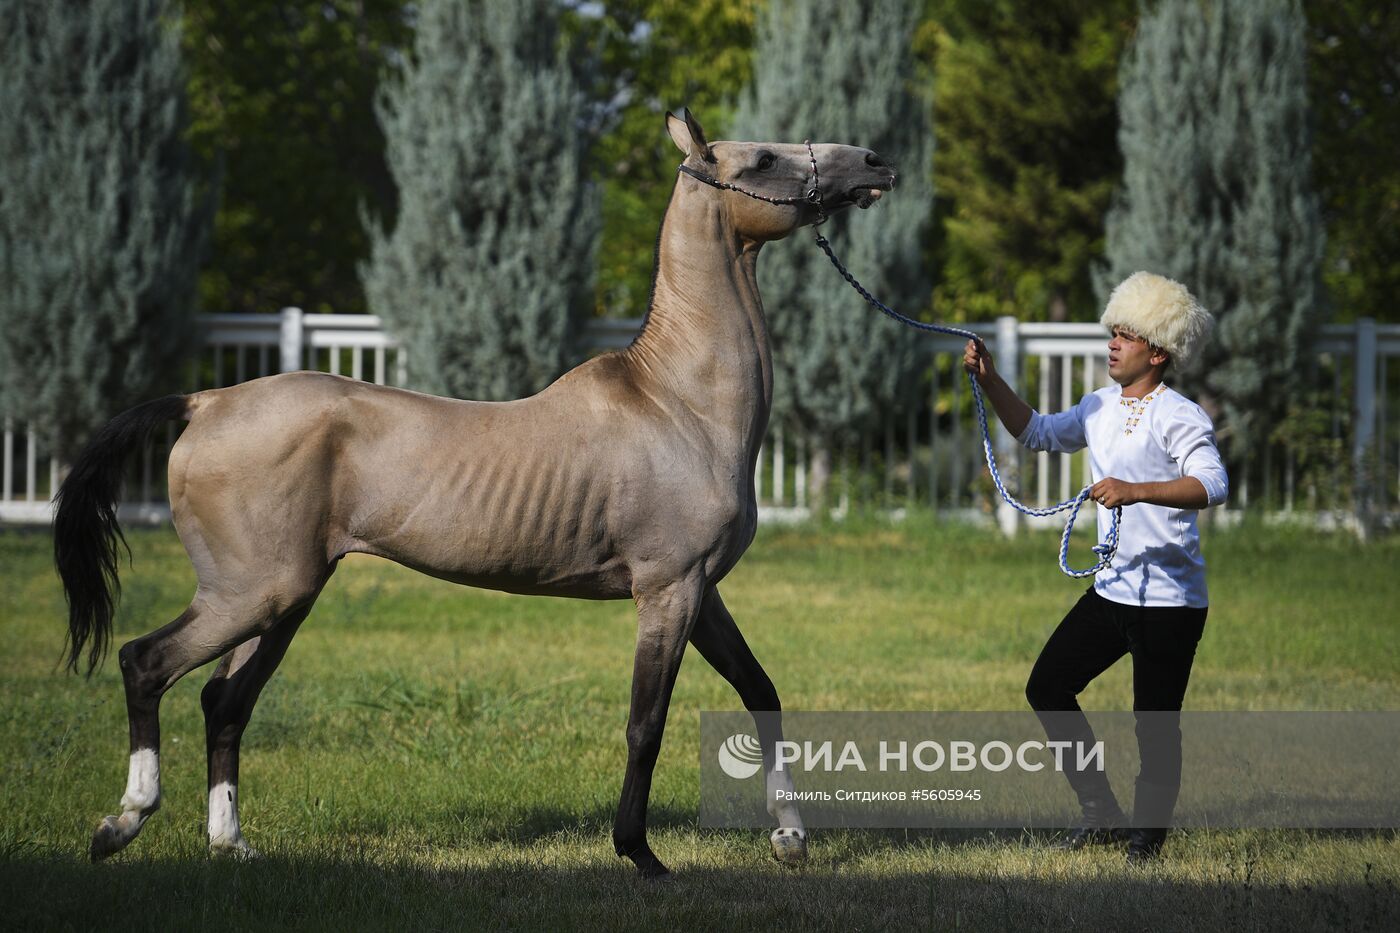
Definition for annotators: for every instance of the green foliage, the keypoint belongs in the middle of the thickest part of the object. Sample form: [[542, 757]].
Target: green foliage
[[1318, 448], [654, 56], [1354, 72], [100, 224], [1217, 191], [840, 72], [1028, 156], [281, 98], [490, 261]]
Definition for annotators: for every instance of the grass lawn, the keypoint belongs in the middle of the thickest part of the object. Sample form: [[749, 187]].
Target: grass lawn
[[435, 757]]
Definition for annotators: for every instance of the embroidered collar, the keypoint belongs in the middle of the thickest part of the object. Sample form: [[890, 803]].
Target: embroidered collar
[[1137, 407]]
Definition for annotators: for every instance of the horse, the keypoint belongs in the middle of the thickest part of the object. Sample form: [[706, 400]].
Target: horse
[[631, 476]]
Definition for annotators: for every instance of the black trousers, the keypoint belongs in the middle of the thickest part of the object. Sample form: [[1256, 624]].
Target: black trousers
[[1092, 637]]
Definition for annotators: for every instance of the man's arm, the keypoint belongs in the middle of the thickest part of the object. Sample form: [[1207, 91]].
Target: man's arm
[[1014, 413], [1184, 493], [1189, 438]]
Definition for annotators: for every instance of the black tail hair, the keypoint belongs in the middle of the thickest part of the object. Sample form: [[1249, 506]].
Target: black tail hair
[[85, 529]]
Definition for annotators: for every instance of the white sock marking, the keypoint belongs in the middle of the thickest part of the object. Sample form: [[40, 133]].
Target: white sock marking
[[142, 782], [223, 815], [780, 803]]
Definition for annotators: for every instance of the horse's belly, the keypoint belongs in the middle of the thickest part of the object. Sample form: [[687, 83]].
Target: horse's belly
[[544, 545], [612, 582]]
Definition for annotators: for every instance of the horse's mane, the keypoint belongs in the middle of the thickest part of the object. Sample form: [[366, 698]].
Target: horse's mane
[[655, 268]]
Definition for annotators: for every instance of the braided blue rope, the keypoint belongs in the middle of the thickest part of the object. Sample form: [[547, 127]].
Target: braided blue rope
[[1107, 548]]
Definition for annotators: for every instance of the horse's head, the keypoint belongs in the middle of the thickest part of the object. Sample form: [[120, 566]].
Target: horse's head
[[779, 171]]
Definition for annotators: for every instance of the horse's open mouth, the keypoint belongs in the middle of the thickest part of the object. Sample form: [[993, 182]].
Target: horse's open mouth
[[864, 196]]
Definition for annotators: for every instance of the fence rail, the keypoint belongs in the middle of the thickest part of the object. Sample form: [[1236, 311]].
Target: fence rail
[[928, 455]]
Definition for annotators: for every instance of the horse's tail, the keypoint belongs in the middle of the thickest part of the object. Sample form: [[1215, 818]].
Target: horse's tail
[[85, 529]]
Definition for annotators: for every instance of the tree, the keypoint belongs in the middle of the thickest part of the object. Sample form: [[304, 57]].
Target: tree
[[282, 100], [1355, 79], [843, 72], [1217, 190], [654, 56], [1027, 157], [490, 261], [100, 222]]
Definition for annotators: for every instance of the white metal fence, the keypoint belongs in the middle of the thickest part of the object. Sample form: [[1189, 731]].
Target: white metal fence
[[1340, 461]]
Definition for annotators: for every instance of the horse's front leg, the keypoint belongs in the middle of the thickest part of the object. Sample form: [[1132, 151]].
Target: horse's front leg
[[718, 640], [666, 615]]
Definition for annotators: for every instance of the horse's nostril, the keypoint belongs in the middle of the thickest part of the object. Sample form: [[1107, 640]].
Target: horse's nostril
[[874, 161]]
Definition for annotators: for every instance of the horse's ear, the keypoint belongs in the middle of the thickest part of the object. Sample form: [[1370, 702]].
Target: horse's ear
[[698, 135], [680, 133], [688, 136]]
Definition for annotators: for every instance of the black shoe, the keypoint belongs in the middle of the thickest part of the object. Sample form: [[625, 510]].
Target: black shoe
[[1091, 836], [1145, 846], [1103, 823]]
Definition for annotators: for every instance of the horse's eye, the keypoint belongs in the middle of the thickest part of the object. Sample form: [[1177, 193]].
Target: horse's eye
[[766, 161]]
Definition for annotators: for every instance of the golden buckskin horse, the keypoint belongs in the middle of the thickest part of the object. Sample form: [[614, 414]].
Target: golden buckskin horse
[[629, 477]]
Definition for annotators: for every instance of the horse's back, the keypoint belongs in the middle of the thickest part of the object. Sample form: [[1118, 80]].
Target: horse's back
[[304, 467], [562, 492]]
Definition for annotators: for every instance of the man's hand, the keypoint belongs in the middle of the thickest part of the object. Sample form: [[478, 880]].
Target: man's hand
[[977, 359], [1014, 413], [1112, 493], [1184, 493]]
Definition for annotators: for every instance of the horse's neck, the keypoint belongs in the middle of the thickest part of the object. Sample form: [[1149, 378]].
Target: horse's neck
[[705, 342]]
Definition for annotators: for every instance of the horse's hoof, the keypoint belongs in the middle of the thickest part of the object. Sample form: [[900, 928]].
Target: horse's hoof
[[109, 839], [653, 870], [789, 846], [238, 850]]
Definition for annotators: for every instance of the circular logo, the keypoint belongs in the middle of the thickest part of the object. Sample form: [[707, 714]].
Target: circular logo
[[740, 756]]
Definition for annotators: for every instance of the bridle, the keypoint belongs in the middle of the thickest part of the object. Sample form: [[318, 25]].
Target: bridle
[[1106, 549], [812, 195]]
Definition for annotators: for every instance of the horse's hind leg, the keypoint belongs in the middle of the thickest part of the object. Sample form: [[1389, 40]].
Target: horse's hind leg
[[147, 665], [719, 642], [228, 701], [150, 666]]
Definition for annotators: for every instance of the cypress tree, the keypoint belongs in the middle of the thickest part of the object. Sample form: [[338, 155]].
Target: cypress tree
[[843, 72], [100, 224], [1217, 190], [490, 261]]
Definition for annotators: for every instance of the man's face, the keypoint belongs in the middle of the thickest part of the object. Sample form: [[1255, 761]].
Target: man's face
[[1130, 357]]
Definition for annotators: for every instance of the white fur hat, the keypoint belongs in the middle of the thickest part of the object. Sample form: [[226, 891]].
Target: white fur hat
[[1160, 311]]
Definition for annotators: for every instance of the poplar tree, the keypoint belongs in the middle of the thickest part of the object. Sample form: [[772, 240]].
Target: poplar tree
[[655, 55], [490, 259], [100, 222], [1354, 74], [1028, 158], [843, 72], [282, 99], [1217, 190]]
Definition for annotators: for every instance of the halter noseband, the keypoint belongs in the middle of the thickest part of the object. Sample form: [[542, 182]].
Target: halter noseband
[[812, 195]]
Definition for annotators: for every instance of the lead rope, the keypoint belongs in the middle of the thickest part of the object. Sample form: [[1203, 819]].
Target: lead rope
[[1105, 549]]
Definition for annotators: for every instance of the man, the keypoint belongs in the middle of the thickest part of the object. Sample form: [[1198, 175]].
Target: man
[[1152, 451]]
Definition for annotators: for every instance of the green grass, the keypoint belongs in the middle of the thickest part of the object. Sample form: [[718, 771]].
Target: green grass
[[434, 757]]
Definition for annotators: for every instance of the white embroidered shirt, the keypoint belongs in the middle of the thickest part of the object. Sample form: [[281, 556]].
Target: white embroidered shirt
[[1161, 437]]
